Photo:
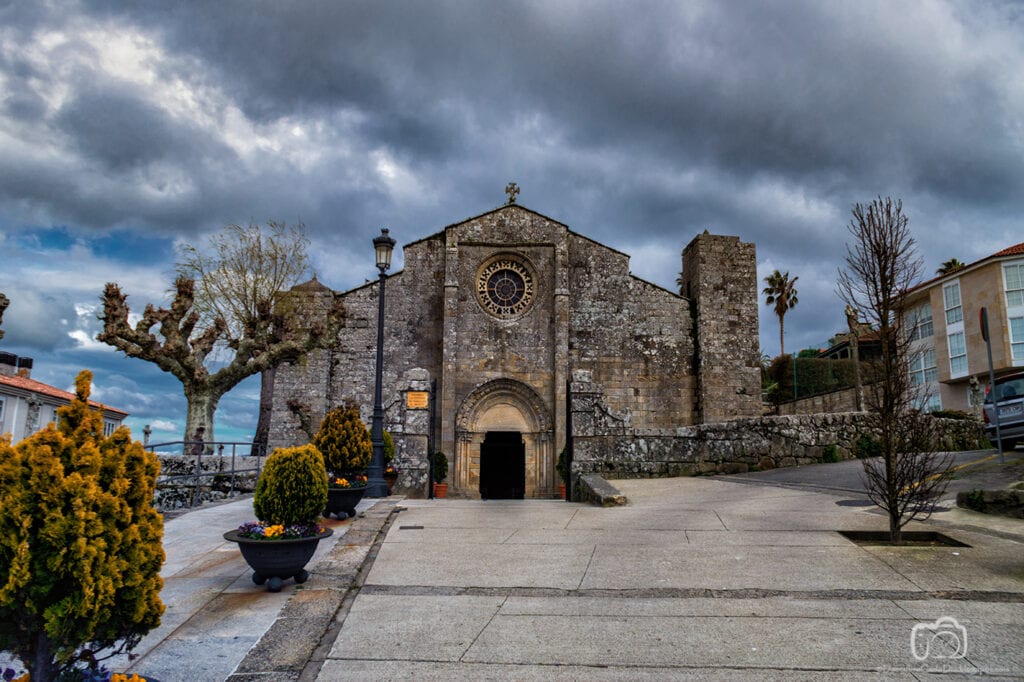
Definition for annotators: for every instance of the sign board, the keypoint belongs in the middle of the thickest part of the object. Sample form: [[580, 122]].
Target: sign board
[[983, 315], [417, 400]]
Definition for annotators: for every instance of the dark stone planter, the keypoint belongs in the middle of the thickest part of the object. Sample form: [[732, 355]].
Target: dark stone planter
[[390, 479], [274, 561], [343, 500]]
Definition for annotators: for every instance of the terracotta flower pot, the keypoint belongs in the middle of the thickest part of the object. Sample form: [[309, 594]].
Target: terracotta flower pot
[[440, 490], [274, 561]]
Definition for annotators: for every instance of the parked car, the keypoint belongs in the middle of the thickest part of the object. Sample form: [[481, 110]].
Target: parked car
[[1009, 398]]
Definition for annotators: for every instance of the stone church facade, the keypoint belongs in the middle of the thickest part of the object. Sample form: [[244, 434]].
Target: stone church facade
[[506, 331]]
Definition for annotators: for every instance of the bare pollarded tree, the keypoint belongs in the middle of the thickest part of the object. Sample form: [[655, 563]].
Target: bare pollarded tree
[[4, 302], [208, 346], [239, 272], [882, 265]]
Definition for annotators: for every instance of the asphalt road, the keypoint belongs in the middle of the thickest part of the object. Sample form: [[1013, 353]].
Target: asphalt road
[[973, 469]]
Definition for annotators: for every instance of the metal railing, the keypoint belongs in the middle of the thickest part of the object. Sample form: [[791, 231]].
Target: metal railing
[[245, 459]]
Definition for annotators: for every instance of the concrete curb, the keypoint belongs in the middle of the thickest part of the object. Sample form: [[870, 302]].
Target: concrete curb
[[296, 644], [1008, 502]]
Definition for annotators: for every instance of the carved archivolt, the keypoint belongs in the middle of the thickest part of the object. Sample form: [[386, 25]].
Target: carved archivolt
[[504, 390]]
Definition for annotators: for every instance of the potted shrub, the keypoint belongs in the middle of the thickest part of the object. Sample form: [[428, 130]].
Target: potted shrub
[[390, 472], [345, 443], [440, 473], [290, 494], [561, 466]]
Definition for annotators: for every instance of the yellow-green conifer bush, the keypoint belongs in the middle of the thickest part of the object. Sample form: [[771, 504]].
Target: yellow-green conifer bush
[[292, 489], [80, 542], [344, 441]]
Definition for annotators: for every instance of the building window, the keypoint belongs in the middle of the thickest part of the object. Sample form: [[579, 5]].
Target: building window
[[932, 403], [919, 321], [108, 428], [951, 295], [1013, 275], [923, 369], [1017, 337], [957, 354], [2, 415]]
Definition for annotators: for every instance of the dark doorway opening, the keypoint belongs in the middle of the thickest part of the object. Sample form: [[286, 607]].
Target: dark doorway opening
[[502, 466]]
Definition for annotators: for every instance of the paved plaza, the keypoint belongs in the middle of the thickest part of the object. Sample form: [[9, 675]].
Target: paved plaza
[[709, 577]]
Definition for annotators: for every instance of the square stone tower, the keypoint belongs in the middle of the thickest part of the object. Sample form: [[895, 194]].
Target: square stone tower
[[719, 278]]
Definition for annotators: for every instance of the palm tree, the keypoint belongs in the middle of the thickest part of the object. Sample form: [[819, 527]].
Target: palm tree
[[780, 292], [951, 265]]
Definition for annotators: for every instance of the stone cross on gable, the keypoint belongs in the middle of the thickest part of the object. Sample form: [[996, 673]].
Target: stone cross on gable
[[511, 189]]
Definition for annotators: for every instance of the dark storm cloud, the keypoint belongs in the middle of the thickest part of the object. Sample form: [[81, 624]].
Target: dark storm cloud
[[638, 124]]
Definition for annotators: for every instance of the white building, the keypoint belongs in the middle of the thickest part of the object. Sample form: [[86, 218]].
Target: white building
[[27, 405]]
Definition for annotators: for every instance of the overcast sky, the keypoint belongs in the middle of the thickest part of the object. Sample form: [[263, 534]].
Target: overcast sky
[[126, 128]]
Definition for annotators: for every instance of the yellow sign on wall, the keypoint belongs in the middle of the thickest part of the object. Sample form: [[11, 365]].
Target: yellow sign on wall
[[417, 400]]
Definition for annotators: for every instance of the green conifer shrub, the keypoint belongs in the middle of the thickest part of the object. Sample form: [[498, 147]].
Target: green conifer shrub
[[80, 542], [344, 441], [292, 489], [389, 447], [440, 467]]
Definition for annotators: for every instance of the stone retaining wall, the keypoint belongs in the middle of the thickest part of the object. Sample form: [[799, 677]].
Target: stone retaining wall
[[740, 445], [215, 484], [843, 400]]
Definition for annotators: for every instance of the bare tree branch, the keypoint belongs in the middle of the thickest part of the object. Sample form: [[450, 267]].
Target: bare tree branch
[[272, 326]]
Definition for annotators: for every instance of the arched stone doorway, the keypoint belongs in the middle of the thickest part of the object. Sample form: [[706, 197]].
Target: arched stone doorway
[[502, 408]]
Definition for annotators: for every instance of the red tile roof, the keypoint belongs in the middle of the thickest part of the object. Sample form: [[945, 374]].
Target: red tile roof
[[1016, 250], [27, 384]]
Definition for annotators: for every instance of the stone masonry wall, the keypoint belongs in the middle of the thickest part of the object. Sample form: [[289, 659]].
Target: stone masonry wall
[[633, 338], [737, 446], [720, 277], [604, 443], [844, 400]]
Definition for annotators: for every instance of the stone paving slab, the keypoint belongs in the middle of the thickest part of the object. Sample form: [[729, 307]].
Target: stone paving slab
[[768, 607], [431, 628], [481, 565], [768, 538], [740, 567], [649, 519], [430, 671]]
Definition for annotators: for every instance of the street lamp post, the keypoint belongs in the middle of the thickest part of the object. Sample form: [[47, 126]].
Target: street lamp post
[[376, 486]]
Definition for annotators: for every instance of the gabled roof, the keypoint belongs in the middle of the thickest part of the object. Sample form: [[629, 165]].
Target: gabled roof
[[40, 388], [486, 213], [312, 286]]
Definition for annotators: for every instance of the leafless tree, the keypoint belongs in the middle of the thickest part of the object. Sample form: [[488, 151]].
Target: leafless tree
[[187, 334], [4, 302], [882, 265], [238, 273]]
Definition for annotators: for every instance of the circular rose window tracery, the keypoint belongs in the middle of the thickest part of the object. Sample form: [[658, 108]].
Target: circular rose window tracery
[[505, 287]]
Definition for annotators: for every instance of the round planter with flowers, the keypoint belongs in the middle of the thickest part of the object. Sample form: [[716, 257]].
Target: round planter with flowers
[[344, 493], [276, 559], [290, 496]]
